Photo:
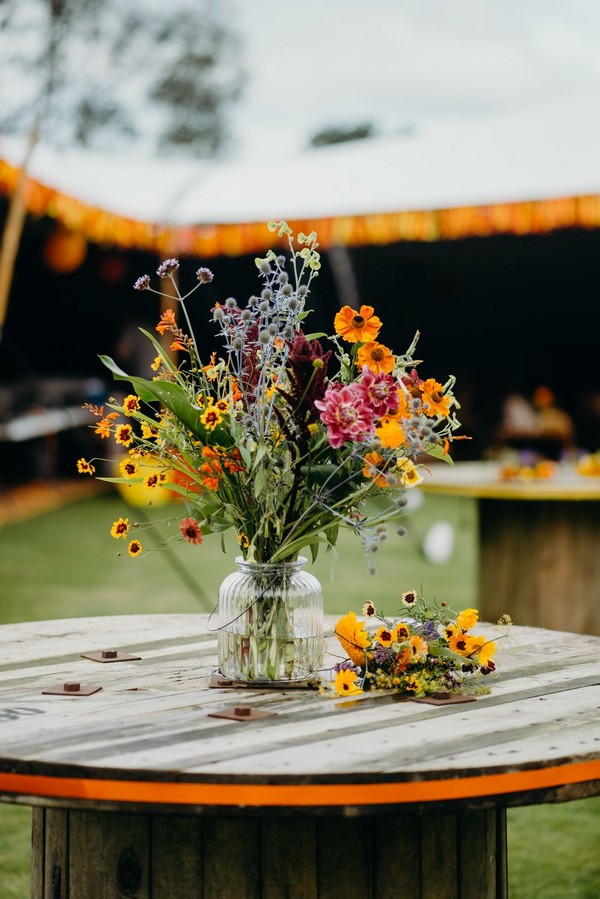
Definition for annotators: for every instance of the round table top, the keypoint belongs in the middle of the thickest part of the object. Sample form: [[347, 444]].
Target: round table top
[[482, 480], [148, 738]]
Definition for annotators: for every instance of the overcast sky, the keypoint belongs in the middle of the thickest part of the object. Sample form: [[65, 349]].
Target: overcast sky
[[401, 63]]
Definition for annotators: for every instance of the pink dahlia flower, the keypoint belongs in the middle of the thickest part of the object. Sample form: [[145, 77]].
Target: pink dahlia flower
[[346, 415], [380, 392]]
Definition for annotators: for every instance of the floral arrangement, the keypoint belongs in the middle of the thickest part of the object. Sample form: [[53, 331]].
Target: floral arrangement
[[428, 652], [280, 436], [588, 465]]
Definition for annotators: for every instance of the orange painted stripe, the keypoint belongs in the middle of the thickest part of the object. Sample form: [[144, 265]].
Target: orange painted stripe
[[317, 795]]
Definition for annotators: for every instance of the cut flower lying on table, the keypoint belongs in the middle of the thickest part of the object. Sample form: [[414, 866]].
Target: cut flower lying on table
[[281, 437], [427, 652]]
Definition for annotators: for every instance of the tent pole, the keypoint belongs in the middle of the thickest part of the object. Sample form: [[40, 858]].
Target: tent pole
[[13, 229]]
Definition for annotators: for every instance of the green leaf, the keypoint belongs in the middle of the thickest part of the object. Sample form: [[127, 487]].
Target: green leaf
[[260, 482], [435, 450]]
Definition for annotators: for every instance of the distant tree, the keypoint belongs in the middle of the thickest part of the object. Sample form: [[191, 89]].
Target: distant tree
[[99, 74], [102, 72], [338, 134]]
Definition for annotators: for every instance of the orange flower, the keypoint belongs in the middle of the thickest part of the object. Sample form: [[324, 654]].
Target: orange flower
[[167, 322], [418, 647], [178, 346], [389, 432], [103, 428], [434, 401], [373, 469], [377, 356], [353, 637], [467, 618], [355, 326]]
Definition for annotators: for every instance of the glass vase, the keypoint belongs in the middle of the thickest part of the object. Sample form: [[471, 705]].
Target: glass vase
[[270, 622]]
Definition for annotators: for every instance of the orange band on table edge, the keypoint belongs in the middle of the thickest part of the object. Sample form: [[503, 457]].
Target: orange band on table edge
[[282, 795]]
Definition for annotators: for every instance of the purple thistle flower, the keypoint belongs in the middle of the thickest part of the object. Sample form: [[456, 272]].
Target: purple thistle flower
[[204, 275], [347, 665], [142, 283], [166, 267], [383, 656]]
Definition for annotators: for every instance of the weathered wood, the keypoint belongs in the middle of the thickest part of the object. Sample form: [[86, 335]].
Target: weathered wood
[[232, 858], [151, 723], [538, 544], [344, 858], [397, 862], [56, 854], [540, 563], [177, 852], [289, 856], [38, 822], [438, 856]]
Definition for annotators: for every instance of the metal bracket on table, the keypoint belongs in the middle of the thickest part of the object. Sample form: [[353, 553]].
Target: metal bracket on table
[[109, 655], [241, 713], [444, 699], [71, 688]]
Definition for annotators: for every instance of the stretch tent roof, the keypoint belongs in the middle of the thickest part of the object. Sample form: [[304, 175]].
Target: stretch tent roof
[[524, 172]]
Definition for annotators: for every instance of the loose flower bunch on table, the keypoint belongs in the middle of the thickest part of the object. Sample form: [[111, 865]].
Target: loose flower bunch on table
[[428, 651], [283, 435]]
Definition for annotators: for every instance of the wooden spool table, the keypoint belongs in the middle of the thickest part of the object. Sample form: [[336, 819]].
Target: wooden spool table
[[539, 542], [138, 792]]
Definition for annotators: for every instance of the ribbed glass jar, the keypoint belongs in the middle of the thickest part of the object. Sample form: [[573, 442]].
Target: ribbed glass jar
[[270, 622]]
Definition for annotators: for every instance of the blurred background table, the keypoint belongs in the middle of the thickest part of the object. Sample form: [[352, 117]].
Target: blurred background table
[[539, 543], [139, 791]]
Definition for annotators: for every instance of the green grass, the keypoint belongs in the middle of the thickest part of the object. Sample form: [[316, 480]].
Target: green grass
[[63, 564]]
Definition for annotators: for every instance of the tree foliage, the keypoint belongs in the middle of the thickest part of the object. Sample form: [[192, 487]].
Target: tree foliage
[[101, 73]]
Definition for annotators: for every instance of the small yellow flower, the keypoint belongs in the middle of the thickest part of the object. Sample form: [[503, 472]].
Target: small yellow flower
[[124, 435], [346, 683], [150, 432], [131, 404], [134, 548], [129, 468], [120, 528], [84, 467], [157, 363], [409, 473], [384, 637]]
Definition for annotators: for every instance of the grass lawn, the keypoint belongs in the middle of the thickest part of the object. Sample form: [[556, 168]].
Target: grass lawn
[[63, 564]]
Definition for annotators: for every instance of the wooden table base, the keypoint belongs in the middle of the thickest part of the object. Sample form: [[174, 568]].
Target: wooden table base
[[100, 855], [540, 562]]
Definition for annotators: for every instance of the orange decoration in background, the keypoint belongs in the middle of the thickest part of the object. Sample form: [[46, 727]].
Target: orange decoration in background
[[64, 252], [206, 240]]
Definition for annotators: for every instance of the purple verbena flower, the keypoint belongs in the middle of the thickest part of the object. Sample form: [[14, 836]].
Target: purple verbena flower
[[166, 267], [204, 275], [347, 665], [142, 283]]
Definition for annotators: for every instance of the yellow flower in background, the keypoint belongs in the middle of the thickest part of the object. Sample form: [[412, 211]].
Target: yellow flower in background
[[150, 432], [346, 683], [157, 363], [467, 618], [84, 467], [354, 638]]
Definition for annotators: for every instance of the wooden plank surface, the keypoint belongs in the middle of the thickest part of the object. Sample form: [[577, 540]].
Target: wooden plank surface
[[151, 719]]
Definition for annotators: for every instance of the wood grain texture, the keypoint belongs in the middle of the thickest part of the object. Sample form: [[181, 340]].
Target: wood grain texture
[[151, 720]]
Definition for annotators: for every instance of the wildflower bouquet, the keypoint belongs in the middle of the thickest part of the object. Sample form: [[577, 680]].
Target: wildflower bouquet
[[279, 437], [429, 651]]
